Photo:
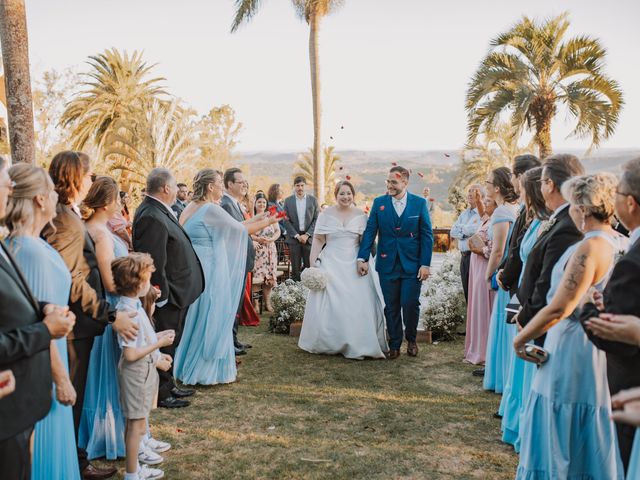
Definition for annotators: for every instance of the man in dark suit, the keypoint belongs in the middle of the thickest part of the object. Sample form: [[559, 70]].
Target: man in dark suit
[[302, 212], [178, 273], [559, 234], [26, 330], [621, 297], [181, 200], [509, 273], [235, 189], [71, 175]]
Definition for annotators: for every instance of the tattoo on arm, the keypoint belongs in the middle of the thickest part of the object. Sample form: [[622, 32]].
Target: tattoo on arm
[[576, 272]]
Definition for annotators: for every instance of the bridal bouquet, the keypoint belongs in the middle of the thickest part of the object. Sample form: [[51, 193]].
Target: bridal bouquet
[[443, 307], [313, 278], [288, 300]]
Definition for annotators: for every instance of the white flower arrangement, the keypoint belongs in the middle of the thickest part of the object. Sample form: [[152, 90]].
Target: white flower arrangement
[[442, 304], [314, 278], [289, 300]]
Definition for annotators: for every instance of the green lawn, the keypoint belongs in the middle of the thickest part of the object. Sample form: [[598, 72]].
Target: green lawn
[[292, 415]]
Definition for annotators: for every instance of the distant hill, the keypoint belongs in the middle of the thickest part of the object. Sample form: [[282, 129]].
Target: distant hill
[[368, 169]]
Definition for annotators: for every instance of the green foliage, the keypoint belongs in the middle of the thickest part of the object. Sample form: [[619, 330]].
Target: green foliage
[[218, 134], [304, 167], [530, 70]]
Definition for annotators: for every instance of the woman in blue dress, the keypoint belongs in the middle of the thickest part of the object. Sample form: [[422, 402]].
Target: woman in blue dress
[[32, 205], [566, 429], [521, 373], [101, 430], [499, 189], [205, 354]]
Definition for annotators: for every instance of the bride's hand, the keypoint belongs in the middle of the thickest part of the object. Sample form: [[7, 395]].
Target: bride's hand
[[363, 268]]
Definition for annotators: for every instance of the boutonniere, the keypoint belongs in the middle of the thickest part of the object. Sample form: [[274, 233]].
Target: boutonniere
[[547, 225], [381, 208]]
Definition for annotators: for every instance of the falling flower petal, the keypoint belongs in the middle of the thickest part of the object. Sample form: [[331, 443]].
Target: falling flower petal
[[421, 175], [348, 177], [395, 164], [447, 155]]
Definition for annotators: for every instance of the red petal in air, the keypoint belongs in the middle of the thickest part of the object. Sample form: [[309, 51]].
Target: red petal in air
[[348, 177]]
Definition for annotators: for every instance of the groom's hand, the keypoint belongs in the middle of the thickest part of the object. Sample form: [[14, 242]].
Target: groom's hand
[[424, 273], [363, 268]]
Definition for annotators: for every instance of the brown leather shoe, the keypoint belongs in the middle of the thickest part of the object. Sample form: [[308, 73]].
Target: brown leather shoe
[[392, 354], [412, 349], [91, 472]]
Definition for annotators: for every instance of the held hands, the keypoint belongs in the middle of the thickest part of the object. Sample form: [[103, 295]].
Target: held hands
[[65, 393], [125, 326], [59, 320], [164, 362], [166, 338], [363, 268], [7, 383], [627, 405], [424, 273], [303, 239], [621, 328]]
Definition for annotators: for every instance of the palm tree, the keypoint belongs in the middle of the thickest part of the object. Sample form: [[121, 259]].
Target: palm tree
[[312, 11], [530, 70], [15, 49], [164, 135], [116, 91], [305, 166]]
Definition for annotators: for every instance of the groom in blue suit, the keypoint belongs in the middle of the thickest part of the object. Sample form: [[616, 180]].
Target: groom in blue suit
[[405, 243]]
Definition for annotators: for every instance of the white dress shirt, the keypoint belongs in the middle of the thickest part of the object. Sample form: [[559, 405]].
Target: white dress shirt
[[301, 208], [634, 236], [399, 204], [146, 334], [465, 227], [558, 210], [168, 207]]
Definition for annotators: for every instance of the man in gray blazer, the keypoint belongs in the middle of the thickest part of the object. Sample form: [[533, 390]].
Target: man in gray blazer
[[235, 189], [302, 212]]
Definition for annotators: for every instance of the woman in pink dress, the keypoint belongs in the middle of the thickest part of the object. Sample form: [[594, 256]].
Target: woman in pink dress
[[480, 295]]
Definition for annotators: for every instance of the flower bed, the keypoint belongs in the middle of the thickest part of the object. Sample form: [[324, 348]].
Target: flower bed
[[288, 300]]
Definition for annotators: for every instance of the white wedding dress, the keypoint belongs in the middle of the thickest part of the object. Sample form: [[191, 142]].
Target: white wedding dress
[[347, 316]]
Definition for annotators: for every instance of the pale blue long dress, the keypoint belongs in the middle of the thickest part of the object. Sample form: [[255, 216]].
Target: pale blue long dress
[[500, 334], [633, 472], [101, 430], [521, 373], [566, 431], [205, 354], [54, 444]]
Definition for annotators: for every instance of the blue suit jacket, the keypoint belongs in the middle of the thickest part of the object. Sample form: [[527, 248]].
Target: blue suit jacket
[[407, 239]]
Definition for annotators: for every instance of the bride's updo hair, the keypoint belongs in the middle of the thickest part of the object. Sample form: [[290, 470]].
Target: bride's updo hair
[[104, 191], [341, 184], [596, 193], [201, 182]]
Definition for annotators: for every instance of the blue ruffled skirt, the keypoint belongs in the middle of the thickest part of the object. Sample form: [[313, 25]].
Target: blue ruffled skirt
[[499, 345], [565, 430], [633, 471], [101, 430], [514, 399]]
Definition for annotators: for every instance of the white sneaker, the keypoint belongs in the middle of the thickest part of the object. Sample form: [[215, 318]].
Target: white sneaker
[[148, 456], [148, 473], [157, 446]]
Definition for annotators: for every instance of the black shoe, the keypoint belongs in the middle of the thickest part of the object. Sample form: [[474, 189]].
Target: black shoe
[[478, 373], [497, 415], [173, 402], [240, 351], [242, 346], [462, 334], [182, 392]]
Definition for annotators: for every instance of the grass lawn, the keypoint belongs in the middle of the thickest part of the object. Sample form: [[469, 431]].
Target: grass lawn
[[293, 415]]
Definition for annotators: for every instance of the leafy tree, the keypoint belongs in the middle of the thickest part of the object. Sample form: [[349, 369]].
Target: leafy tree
[[530, 70], [304, 166], [218, 135], [312, 12]]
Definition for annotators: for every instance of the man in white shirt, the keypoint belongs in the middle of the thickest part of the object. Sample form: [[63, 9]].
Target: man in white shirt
[[465, 227], [302, 212]]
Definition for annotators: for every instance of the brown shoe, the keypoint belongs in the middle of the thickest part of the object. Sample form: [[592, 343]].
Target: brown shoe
[[392, 354], [91, 472], [412, 349]]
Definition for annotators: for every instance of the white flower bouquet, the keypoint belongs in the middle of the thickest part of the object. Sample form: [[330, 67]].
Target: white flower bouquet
[[442, 304], [314, 278], [289, 300]]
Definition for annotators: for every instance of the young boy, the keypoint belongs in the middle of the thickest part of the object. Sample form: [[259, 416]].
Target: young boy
[[138, 377]]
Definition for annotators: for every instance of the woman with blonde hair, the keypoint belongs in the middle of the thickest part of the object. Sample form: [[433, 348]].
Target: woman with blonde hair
[[32, 205], [206, 354], [566, 429]]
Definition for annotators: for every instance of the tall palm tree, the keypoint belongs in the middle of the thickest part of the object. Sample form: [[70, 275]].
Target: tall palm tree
[[164, 135], [530, 70], [312, 12], [305, 166], [15, 48], [116, 90]]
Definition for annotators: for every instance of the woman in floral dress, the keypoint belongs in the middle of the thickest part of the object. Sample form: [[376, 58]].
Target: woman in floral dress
[[266, 265]]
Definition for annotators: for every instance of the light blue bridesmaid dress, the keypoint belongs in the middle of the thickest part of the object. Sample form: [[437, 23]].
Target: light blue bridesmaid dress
[[565, 430], [205, 354], [633, 471], [521, 373], [500, 334], [101, 430], [54, 444]]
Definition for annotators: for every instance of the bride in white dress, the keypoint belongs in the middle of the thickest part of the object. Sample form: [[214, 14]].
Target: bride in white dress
[[347, 316]]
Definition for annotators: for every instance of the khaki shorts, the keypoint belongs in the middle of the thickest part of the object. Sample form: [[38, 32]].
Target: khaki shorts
[[138, 387]]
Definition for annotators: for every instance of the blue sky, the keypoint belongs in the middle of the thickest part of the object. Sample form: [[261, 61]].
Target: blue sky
[[393, 73]]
